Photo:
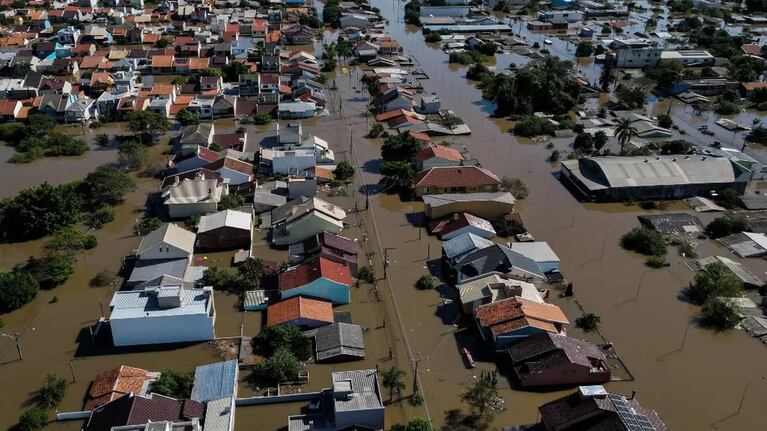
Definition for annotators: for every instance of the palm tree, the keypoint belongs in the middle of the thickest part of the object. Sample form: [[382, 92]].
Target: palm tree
[[625, 131], [394, 381]]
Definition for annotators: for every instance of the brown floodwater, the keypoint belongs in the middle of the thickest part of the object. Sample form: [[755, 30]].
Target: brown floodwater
[[693, 377]]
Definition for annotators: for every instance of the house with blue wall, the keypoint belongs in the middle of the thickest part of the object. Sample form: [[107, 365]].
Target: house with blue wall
[[319, 278]]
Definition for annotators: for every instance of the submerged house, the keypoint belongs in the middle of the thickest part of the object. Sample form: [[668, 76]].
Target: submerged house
[[227, 229], [300, 311], [165, 251], [319, 278], [496, 258], [160, 316], [549, 359], [514, 319], [303, 218], [652, 177]]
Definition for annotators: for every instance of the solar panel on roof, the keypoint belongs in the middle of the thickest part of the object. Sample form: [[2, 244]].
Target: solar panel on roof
[[632, 420]]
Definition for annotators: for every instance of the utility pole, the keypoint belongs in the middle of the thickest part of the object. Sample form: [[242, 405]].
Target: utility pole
[[386, 260], [16, 337], [415, 374]]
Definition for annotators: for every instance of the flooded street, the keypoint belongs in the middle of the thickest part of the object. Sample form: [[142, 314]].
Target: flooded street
[[694, 378], [688, 374]]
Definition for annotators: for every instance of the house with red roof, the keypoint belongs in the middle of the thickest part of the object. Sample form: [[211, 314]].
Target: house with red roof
[[116, 382], [237, 171], [134, 409], [458, 179], [514, 319], [438, 155], [460, 223], [319, 278], [300, 311]]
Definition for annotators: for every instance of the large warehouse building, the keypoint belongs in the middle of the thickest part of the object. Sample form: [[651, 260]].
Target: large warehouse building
[[652, 177]]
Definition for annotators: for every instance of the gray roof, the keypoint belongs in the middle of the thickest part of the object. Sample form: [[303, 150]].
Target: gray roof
[[227, 218], [214, 381], [219, 414], [546, 344], [339, 339], [171, 234], [538, 251], [448, 198], [143, 303], [362, 385], [146, 270], [463, 243], [604, 172], [495, 258]]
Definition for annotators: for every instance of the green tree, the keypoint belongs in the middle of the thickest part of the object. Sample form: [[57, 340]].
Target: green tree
[[625, 131], [393, 379], [145, 124], [186, 117], [665, 74], [49, 271], [645, 241], [584, 49], [632, 97], [398, 176], [366, 274], [39, 211], [287, 336], [483, 397], [148, 225], [665, 121], [281, 367], [426, 282], [450, 121], [230, 202], [231, 71], [33, 419], [131, 154], [584, 142], [720, 314], [68, 243], [414, 424], [531, 125], [726, 225], [343, 171], [106, 185], [505, 228], [588, 322], [676, 146], [600, 140], [714, 280], [221, 278], [262, 119], [251, 271], [52, 392], [16, 289], [515, 186], [100, 216], [174, 384], [606, 78], [399, 148]]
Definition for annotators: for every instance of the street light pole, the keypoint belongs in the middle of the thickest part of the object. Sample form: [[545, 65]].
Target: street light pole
[[16, 337]]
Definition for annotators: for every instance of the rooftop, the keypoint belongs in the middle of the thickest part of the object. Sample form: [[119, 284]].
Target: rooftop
[[226, 218], [305, 273], [168, 233], [144, 303], [362, 389], [299, 307], [214, 381]]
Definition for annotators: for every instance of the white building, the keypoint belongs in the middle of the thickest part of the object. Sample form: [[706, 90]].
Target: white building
[[194, 196], [690, 57], [290, 162], [159, 316], [635, 53], [540, 252]]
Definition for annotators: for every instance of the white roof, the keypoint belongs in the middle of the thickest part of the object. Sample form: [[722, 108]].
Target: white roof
[[479, 287], [196, 190], [538, 251], [143, 303], [228, 218], [759, 238]]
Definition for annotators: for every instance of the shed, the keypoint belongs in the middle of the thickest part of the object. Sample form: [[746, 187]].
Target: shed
[[746, 244], [227, 229], [255, 300], [741, 272], [540, 252], [673, 224], [214, 381]]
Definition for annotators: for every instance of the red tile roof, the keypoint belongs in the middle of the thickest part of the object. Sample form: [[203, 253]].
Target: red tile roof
[[751, 48], [458, 176], [114, 383], [440, 151], [232, 164], [513, 313], [458, 221], [298, 307], [313, 270]]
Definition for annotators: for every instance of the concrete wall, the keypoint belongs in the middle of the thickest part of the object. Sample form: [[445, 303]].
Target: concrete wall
[[257, 401], [486, 210], [306, 227], [235, 177], [224, 238], [372, 418], [638, 57], [164, 251], [565, 374], [160, 330]]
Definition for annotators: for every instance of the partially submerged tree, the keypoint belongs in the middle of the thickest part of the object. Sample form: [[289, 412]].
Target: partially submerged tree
[[174, 384], [393, 379], [645, 241], [287, 336], [483, 397], [52, 392], [712, 281], [515, 186], [588, 322]]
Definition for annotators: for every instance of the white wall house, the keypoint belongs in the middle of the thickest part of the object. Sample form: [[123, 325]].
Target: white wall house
[[159, 316]]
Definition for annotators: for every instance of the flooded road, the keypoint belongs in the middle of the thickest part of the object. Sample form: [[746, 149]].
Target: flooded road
[[693, 377]]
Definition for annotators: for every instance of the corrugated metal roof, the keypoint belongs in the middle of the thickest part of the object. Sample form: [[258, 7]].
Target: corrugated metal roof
[[464, 243], [219, 414], [214, 381], [227, 218], [142, 303], [146, 270], [363, 384], [171, 234]]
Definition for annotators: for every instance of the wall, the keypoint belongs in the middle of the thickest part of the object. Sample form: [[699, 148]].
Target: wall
[[484, 209], [293, 164], [566, 374], [372, 418], [638, 57], [306, 227], [159, 330], [163, 251], [436, 162], [224, 238]]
